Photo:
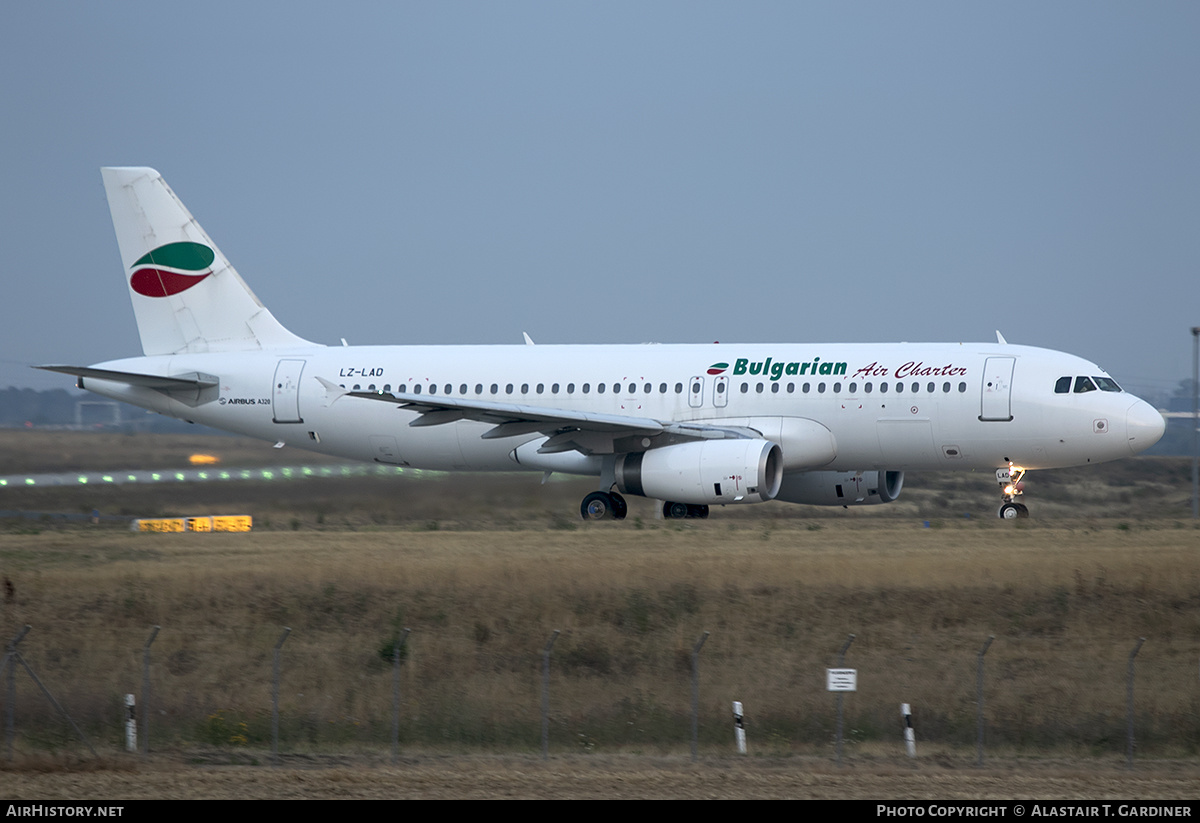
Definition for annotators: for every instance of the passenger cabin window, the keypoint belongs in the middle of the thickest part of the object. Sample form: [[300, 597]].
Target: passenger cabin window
[[1083, 385], [1062, 385]]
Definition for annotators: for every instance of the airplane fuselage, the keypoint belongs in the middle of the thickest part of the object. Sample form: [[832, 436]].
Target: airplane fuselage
[[888, 406]]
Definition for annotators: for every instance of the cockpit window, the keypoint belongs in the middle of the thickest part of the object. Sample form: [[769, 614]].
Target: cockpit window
[[1084, 384], [1107, 384], [1062, 385]]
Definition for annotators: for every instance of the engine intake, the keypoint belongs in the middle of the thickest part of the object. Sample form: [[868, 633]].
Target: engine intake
[[841, 488], [705, 472]]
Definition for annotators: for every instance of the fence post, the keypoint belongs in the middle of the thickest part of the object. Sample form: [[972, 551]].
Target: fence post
[[131, 739], [10, 666], [1129, 705], [739, 727], [546, 696], [146, 692], [696, 696], [979, 700], [910, 736], [841, 696], [275, 700], [396, 647]]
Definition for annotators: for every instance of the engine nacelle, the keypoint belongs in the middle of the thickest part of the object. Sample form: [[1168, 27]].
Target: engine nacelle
[[841, 488], [705, 472]]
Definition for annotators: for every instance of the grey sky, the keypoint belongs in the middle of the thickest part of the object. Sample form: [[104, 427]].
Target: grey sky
[[620, 172]]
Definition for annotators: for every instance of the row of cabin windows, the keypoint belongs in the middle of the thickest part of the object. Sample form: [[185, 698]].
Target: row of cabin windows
[[853, 388], [648, 388], [1085, 384], [510, 388]]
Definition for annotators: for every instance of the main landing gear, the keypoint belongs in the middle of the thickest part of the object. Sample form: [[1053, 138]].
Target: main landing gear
[[1011, 487], [680, 511], [612, 506], [603, 506]]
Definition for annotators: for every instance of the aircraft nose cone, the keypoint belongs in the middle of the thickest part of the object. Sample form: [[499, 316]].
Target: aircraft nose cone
[[1145, 426]]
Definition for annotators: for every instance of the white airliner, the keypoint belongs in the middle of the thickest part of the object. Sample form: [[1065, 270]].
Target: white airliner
[[690, 425]]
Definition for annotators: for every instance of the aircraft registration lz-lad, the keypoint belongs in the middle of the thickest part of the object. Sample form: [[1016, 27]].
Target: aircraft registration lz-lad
[[690, 425]]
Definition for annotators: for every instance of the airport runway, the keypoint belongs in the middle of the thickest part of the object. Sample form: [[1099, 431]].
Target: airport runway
[[193, 474]]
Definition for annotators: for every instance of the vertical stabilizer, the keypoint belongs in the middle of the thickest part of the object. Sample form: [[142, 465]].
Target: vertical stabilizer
[[186, 296]]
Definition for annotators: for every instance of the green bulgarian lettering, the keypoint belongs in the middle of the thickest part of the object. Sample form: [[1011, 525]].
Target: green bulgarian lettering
[[774, 370]]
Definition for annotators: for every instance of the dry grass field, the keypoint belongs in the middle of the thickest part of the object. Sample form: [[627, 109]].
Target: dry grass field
[[483, 570]]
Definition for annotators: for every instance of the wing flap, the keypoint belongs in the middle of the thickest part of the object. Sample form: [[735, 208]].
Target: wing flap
[[500, 414]]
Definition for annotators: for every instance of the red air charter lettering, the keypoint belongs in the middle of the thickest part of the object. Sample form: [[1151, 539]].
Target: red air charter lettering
[[873, 370], [919, 369]]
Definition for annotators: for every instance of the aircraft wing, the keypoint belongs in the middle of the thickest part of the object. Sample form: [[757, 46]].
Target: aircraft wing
[[568, 429]]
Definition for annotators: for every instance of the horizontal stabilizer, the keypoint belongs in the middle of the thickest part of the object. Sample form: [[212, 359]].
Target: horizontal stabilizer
[[192, 381]]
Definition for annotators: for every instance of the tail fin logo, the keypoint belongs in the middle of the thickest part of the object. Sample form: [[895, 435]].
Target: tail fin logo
[[171, 269]]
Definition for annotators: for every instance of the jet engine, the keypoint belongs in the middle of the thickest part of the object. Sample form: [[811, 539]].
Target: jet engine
[[841, 488], [705, 472]]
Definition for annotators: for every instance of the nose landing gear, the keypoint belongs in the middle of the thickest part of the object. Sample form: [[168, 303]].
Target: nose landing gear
[[1011, 488]]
